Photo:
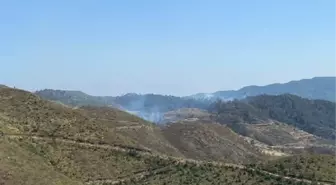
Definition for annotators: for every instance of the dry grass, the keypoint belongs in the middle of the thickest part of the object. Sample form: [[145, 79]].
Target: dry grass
[[313, 167], [185, 113], [209, 141], [21, 166]]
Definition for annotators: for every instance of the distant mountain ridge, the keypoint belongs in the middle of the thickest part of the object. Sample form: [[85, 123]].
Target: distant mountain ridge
[[152, 107], [75, 98], [148, 106], [315, 88]]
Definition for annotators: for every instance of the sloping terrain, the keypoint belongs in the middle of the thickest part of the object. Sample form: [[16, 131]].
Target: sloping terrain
[[77, 144], [278, 134], [83, 163], [267, 120], [209, 141], [21, 166], [48, 143], [185, 113], [75, 98], [313, 116], [279, 139], [209, 174], [26, 113], [313, 167]]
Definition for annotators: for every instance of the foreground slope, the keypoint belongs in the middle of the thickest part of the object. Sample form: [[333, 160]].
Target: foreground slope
[[208, 174], [22, 166], [25, 113], [313, 167], [72, 145]]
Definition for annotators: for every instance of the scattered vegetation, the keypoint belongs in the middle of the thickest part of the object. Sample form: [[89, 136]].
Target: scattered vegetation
[[75, 98], [209, 141], [21, 166], [314, 167], [193, 174], [26, 113]]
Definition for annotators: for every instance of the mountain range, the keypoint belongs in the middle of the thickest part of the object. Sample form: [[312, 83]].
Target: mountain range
[[152, 107], [149, 106], [314, 88]]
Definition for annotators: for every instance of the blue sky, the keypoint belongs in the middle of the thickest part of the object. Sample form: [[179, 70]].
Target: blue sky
[[111, 47]]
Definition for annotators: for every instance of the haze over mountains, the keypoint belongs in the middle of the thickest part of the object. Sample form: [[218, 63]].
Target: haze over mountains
[[315, 88], [153, 106]]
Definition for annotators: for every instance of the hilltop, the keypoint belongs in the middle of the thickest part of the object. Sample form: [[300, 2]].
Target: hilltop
[[75, 98]]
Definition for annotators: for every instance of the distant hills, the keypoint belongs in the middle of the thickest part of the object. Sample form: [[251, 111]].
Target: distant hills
[[148, 106], [314, 88], [75, 98], [152, 107]]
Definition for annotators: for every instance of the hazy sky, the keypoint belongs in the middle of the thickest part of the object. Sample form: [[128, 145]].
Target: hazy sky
[[180, 47]]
